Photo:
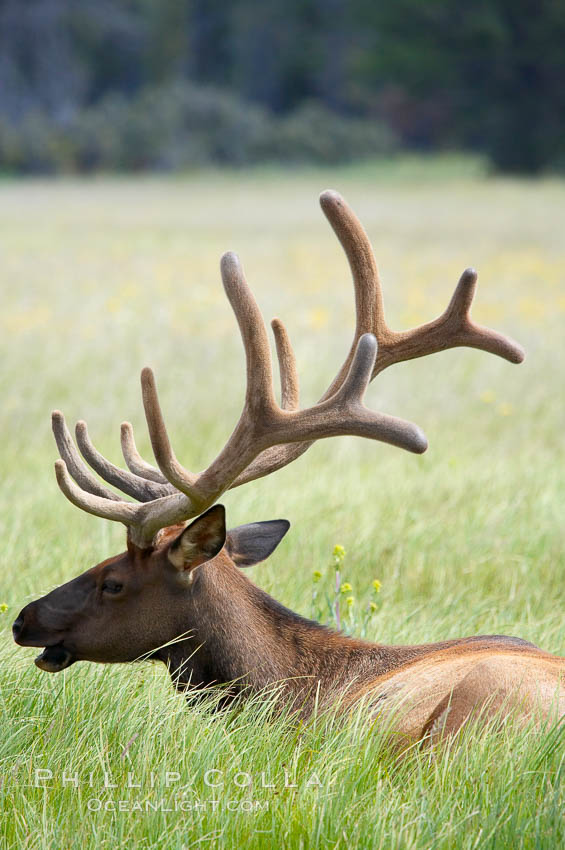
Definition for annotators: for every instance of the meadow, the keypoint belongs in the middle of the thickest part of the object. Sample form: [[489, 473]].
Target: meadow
[[101, 277]]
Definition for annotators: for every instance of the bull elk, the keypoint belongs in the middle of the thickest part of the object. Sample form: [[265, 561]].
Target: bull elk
[[179, 594]]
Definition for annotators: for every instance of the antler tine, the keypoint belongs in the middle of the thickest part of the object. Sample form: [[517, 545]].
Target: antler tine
[[259, 400], [73, 461], [459, 307], [369, 309], [173, 471], [290, 391], [142, 521], [476, 336], [452, 329], [259, 397], [127, 482], [133, 459], [359, 375], [101, 506], [345, 414]]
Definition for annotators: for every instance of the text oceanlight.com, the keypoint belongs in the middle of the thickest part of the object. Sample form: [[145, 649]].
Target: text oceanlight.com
[[95, 804]]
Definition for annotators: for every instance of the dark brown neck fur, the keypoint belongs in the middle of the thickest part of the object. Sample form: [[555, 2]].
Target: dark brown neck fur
[[243, 636]]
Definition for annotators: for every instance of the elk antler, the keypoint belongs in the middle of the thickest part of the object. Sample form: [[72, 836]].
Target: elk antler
[[268, 435], [453, 328]]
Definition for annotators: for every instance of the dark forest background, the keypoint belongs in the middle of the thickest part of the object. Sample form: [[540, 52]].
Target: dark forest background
[[134, 84]]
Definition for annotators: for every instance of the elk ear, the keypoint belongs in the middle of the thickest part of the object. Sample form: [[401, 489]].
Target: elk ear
[[200, 541], [249, 544]]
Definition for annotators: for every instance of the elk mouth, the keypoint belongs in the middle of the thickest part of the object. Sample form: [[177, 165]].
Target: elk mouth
[[54, 658]]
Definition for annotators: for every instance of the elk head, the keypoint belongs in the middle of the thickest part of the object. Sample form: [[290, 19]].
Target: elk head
[[133, 603], [126, 607]]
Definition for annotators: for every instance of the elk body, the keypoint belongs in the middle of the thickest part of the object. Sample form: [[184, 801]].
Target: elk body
[[179, 593]]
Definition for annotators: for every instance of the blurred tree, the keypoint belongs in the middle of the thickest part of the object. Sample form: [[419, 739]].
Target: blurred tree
[[39, 67], [209, 43], [168, 44], [487, 75]]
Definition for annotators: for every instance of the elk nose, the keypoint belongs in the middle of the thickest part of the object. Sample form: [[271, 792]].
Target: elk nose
[[17, 628]]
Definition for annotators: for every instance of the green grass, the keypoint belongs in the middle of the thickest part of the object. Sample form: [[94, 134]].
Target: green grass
[[102, 277]]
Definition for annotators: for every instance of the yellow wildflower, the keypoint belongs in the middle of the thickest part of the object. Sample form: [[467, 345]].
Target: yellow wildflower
[[376, 585], [346, 587]]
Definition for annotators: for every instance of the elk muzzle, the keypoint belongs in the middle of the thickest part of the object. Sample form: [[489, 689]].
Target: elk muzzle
[[32, 628]]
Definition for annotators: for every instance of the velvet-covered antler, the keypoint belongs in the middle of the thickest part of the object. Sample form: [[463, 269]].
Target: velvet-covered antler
[[268, 436]]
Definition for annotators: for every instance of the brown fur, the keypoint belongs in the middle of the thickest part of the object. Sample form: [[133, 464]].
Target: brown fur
[[211, 626]]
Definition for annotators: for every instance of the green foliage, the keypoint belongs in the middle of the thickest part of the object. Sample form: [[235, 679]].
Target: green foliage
[[312, 133], [180, 126]]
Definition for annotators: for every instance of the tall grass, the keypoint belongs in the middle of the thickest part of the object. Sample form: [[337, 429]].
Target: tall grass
[[102, 277]]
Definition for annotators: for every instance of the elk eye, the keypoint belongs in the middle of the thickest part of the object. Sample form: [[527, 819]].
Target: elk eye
[[111, 587]]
